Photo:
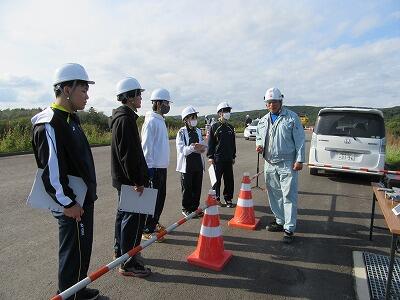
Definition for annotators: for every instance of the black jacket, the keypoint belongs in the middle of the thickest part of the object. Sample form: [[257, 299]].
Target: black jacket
[[61, 148], [128, 165], [221, 142]]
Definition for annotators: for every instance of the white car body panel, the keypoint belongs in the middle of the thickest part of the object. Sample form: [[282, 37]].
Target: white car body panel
[[250, 130]]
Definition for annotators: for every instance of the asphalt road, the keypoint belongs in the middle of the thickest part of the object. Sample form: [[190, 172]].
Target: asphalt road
[[333, 221]]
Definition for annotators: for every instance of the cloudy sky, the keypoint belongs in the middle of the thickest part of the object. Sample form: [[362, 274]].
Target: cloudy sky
[[320, 53]]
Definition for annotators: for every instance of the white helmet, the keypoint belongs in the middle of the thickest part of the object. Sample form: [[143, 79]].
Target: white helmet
[[128, 84], [160, 94], [273, 94], [223, 105], [69, 72], [188, 111]]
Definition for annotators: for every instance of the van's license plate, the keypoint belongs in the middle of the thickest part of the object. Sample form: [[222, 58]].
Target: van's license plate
[[346, 156]]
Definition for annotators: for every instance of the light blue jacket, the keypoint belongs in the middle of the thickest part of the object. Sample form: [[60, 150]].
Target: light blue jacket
[[286, 140]]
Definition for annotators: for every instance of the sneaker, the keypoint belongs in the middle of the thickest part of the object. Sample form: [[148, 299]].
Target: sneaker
[[115, 255], [160, 228], [229, 204], [274, 227], [288, 236], [148, 236], [135, 270], [185, 212], [87, 294]]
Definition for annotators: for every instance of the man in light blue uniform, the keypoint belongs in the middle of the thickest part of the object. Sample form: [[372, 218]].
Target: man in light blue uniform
[[280, 138]]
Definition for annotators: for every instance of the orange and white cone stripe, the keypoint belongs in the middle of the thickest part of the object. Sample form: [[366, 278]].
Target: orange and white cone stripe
[[244, 214], [210, 252]]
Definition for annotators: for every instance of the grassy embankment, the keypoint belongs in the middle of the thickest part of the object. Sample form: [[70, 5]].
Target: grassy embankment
[[393, 151]]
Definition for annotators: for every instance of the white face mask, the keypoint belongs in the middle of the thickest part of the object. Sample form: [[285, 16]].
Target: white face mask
[[193, 123], [226, 115]]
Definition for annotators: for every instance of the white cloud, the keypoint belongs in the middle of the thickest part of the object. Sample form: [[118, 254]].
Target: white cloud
[[203, 52], [364, 25]]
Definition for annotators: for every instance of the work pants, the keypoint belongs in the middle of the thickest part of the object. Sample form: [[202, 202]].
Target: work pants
[[128, 231], [159, 182], [191, 189], [281, 182], [224, 169], [75, 246]]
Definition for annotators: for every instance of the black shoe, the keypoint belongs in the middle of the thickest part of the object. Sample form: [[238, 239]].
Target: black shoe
[[274, 227], [288, 236], [87, 294], [229, 204], [136, 269], [219, 203]]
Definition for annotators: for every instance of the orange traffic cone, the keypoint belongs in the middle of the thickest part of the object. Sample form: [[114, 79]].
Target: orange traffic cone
[[210, 253], [244, 214]]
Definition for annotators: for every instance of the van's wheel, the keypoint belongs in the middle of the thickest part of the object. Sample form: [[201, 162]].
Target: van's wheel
[[313, 171]]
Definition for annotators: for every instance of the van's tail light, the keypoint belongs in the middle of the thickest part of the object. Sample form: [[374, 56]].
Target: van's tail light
[[382, 148]]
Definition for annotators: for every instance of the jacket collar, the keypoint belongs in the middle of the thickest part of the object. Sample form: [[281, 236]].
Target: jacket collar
[[64, 111], [130, 111], [153, 114]]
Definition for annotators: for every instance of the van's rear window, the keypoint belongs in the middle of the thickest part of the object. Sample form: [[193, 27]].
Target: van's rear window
[[350, 124]]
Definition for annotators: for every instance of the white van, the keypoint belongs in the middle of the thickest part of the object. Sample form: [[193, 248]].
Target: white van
[[348, 139]]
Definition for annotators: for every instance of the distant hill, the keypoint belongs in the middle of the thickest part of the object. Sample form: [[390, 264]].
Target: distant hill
[[311, 112]]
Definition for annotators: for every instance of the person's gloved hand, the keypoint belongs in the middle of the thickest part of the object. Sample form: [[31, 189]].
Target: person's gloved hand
[[151, 172]]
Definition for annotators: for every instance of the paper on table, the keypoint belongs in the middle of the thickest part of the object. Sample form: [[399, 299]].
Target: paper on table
[[39, 198], [396, 210], [130, 201], [213, 177]]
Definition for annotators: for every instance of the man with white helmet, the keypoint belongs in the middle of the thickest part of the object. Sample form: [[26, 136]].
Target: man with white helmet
[[128, 166], [61, 149], [155, 144], [222, 153], [190, 163], [280, 138]]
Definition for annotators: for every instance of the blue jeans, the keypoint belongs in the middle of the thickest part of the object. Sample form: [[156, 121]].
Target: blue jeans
[[282, 181]]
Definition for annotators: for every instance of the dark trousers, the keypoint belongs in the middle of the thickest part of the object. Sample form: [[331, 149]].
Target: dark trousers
[[75, 247], [191, 190], [128, 231], [225, 169], [159, 182]]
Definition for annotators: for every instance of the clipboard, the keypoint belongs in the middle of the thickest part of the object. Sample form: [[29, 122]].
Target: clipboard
[[130, 201], [213, 176], [39, 198]]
